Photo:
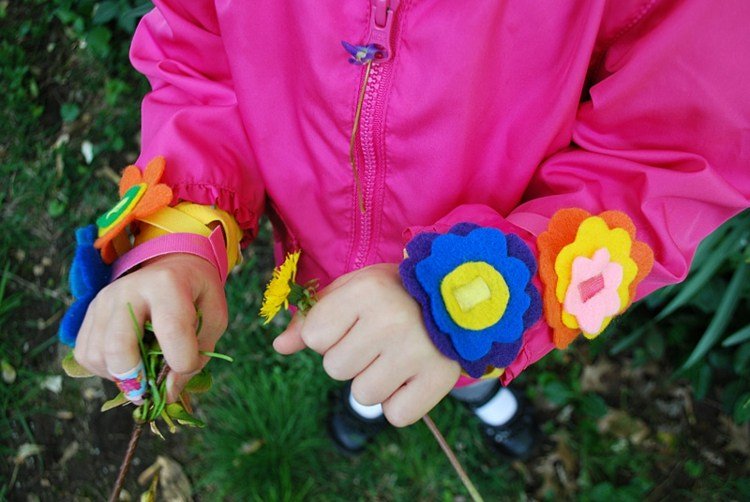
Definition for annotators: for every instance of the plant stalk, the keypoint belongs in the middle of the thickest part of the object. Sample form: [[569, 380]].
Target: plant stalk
[[132, 445], [473, 492]]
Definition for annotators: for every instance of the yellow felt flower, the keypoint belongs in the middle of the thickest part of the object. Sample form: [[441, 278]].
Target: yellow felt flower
[[279, 287], [592, 236]]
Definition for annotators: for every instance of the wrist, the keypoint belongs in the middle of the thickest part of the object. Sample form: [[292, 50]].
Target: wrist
[[475, 287]]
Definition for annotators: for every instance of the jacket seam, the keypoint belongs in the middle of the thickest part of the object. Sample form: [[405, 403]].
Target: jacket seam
[[635, 21]]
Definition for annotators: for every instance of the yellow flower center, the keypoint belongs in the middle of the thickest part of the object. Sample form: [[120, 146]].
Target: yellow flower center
[[475, 295]]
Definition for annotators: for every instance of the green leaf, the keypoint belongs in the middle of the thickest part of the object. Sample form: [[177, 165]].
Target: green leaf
[[694, 284], [116, 401], [741, 359], [200, 383], [216, 355], [105, 12], [722, 318], [655, 344], [593, 405], [630, 340], [128, 18], [138, 331], [69, 112], [73, 369], [702, 381], [56, 208], [97, 40], [557, 393], [742, 409], [179, 413], [739, 336]]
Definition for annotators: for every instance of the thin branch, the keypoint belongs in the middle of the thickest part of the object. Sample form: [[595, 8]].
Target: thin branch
[[473, 492], [132, 445]]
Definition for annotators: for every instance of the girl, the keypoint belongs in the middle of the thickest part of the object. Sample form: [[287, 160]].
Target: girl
[[584, 148]]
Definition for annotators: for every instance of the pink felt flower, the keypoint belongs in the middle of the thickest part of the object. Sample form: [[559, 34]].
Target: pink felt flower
[[592, 295]]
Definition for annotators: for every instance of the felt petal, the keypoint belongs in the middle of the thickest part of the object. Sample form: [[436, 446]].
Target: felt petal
[[72, 320], [154, 170], [156, 197], [131, 176]]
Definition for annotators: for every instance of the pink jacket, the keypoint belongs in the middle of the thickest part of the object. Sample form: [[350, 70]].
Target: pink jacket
[[498, 113]]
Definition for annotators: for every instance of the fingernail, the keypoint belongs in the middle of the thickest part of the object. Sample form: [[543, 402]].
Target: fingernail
[[132, 383]]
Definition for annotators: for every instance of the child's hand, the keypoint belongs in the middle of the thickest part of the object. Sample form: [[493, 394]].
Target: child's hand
[[167, 291], [370, 329]]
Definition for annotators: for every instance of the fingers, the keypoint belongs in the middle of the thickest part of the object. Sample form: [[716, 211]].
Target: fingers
[[290, 340], [382, 378], [85, 351], [122, 353], [352, 354], [329, 320], [213, 307], [418, 396]]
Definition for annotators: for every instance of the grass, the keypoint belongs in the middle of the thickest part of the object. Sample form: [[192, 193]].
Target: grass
[[625, 433]]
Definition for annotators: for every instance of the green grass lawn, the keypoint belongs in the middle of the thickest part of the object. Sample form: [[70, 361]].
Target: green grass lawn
[[620, 428]]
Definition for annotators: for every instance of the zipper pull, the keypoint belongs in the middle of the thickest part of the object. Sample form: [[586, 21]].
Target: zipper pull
[[382, 13]]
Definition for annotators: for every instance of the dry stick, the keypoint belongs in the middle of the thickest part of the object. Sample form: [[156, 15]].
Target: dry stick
[[475, 496], [134, 437]]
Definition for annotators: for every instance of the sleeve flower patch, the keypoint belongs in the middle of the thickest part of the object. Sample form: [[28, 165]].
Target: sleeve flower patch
[[88, 275], [141, 195], [474, 287], [590, 267]]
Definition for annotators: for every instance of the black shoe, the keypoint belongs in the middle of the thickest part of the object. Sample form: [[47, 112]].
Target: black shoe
[[350, 431], [516, 439]]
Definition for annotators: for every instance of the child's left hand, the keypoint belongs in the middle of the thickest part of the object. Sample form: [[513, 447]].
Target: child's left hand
[[368, 328]]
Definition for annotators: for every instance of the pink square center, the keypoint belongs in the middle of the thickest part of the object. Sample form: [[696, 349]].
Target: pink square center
[[591, 287]]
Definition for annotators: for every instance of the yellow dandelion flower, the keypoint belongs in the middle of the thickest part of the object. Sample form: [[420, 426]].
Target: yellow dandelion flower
[[279, 287]]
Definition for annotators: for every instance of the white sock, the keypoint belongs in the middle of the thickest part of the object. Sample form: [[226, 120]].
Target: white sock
[[499, 409], [368, 412]]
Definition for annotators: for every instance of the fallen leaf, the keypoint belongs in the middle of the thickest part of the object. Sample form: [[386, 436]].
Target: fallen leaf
[[739, 436], [87, 150], [621, 425], [250, 447], [69, 453], [9, 372], [52, 383], [27, 450], [173, 483], [593, 376]]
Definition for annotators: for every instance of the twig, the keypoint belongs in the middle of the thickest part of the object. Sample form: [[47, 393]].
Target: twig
[[134, 437], [475, 496]]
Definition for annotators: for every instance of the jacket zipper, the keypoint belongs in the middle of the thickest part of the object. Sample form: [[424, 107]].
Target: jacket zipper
[[367, 147]]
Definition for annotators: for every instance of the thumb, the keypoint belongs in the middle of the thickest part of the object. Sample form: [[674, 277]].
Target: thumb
[[290, 340]]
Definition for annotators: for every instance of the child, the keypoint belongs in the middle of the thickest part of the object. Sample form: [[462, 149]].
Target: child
[[584, 139]]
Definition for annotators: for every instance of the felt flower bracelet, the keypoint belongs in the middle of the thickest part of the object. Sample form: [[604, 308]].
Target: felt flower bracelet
[[590, 266], [475, 284], [140, 226]]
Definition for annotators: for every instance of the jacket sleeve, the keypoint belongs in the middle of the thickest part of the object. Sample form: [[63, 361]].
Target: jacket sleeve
[[664, 138], [191, 116]]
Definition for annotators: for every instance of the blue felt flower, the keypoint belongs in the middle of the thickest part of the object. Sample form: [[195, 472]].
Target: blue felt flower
[[474, 286], [88, 275]]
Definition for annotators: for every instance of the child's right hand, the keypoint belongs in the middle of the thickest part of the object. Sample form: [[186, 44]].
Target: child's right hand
[[167, 290]]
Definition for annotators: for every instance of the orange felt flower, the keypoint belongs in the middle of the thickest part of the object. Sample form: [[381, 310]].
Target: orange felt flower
[[141, 195], [563, 232]]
